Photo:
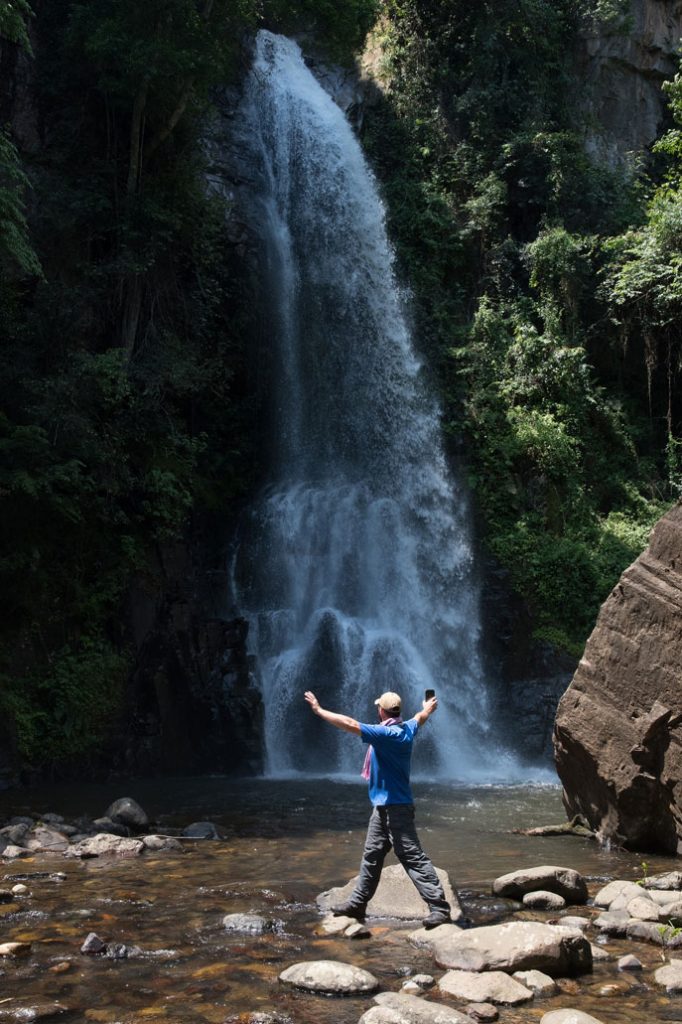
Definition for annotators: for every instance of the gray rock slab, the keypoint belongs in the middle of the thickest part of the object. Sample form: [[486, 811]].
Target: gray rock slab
[[612, 890], [201, 830], [643, 909], [540, 899], [329, 976], [568, 1017], [613, 922], [48, 839], [539, 983], [163, 844], [485, 987], [513, 946], [105, 845], [399, 1008], [670, 976], [128, 812], [395, 898], [564, 881], [667, 880], [249, 924]]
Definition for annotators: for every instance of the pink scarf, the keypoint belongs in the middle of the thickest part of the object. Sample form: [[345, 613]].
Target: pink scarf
[[368, 756]]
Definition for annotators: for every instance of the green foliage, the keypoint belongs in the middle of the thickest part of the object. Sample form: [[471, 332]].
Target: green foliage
[[339, 26], [16, 251], [13, 15]]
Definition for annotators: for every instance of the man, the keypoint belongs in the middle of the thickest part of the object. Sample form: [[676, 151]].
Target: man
[[392, 820]]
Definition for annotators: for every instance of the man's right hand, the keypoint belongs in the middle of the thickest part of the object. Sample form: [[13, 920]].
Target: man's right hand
[[313, 701]]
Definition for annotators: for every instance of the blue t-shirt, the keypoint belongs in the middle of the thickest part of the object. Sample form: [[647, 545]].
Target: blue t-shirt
[[389, 769]]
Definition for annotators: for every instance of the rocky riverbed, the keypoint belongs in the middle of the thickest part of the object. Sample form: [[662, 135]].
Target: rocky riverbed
[[222, 929]]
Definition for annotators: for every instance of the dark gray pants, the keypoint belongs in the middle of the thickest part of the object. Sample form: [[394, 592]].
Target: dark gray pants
[[393, 826]]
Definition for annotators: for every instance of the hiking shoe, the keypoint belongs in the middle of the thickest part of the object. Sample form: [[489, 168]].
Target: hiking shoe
[[356, 910], [437, 917]]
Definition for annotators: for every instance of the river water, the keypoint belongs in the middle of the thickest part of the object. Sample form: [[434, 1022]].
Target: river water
[[284, 842]]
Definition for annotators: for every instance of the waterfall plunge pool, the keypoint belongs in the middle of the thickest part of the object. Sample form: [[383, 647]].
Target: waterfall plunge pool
[[285, 841]]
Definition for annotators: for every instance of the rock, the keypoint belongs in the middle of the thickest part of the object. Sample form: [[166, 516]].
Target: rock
[[357, 931], [395, 898], [563, 881], [610, 892], [613, 922], [617, 731], [411, 988], [671, 913], [52, 819], [14, 949], [21, 819], [329, 976], [670, 976], [16, 833], [60, 968], [424, 980], [105, 845], [19, 889], [539, 983], [30, 1011], [12, 852], [664, 897], [541, 900], [573, 922], [336, 925], [163, 844], [398, 1008], [128, 812], [481, 1012], [93, 945], [114, 828], [599, 954], [58, 876], [568, 1017], [643, 909], [668, 880], [201, 830], [7, 896], [486, 987], [251, 924], [629, 963], [647, 931], [47, 839], [514, 946]]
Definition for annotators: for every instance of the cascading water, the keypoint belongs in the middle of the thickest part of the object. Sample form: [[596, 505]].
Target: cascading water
[[355, 567]]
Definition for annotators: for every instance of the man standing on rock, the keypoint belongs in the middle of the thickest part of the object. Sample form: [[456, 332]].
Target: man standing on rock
[[387, 768]]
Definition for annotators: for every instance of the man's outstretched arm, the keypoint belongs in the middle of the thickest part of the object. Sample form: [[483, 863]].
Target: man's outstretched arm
[[427, 710], [340, 721]]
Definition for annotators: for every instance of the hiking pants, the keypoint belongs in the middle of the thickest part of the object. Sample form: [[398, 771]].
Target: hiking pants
[[393, 826]]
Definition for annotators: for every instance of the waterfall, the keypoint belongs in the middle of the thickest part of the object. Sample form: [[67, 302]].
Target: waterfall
[[355, 565]]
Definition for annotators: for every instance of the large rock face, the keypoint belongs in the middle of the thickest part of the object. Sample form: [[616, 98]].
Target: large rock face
[[618, 727], [620, 69]]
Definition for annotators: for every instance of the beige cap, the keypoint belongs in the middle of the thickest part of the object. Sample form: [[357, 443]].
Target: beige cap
[[389, 701]]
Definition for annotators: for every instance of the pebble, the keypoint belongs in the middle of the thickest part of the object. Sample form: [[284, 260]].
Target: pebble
[[629, 963], [93, 945], [61, 968], [19, 889]]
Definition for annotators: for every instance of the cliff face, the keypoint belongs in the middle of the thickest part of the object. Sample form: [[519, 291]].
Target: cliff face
[[619, 74], [618, 731]]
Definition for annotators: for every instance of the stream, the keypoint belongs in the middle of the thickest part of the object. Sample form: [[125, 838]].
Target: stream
[[284, 842]]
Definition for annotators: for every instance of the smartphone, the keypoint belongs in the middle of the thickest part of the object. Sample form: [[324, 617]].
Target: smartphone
[[428, 694]]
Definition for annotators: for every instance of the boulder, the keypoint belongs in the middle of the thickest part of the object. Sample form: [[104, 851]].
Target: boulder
[[335, 925], [572, 921], [668, 880], [201, 830], [670, 976], [114, 828], [568, 1017], [163, 844], [513, 946], [539, 983], [646, 931], [46, 839], [613, 890], [618, 729], [395, 898], [105, 845], [542, 900], [643, 909], [16, 833], [128, 812], [485, 987], [613, 922], [398, 1008], [564, 881], [329, 976]]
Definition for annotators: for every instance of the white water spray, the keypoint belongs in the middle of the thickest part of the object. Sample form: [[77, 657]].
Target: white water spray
[[355, 567]]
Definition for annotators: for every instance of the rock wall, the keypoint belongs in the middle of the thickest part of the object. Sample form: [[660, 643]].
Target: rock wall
[[619, 72], [618, 730]]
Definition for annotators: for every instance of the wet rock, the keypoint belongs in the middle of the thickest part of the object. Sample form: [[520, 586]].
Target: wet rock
[[163, 844], [613, 922], [486, 987], [93, 945], [424, 980], [58, 876], [395, 898], [513, 946], [113, 828], [411, 988], [52, 819], [60, 968], [68, 830], [670, 976], [6, 896], [26, 1011], [646, 931], [250, 924], [484, 1012], [613, 890], [643, 909], [201, 830], [16, 833], [572, 921], [667, 880], [335, 925], [568, 1017], [128, 812], [12, 852], [539, 983], [15, 949], [329, 976], [116, 951], [671, 913], [46, 839], [104, 845], [599, 954], [259, 1017], [398, 1008], [629, 963], [21, 819], [541, 900], [664, 897], [357, 931], [564, 881]]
